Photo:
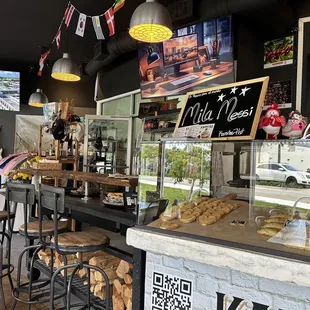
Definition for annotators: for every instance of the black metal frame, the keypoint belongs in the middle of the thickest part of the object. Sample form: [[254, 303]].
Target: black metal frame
[[5, 269], [53, 199]]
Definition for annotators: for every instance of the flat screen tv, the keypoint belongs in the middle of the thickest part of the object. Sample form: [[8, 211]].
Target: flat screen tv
[[196, 57], [9, 90]]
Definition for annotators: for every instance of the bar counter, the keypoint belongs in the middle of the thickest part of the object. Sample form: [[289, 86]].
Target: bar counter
[[215, 276]]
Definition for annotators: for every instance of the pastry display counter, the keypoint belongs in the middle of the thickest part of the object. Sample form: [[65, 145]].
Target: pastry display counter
[[248, 195]]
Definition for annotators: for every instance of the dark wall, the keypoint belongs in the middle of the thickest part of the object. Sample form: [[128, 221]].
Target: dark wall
[[122, 78], [251, 30], [7, 120], [82, 92]]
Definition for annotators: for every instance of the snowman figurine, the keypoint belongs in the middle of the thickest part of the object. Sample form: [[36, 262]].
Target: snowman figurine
[[272, 122], [295, 125]]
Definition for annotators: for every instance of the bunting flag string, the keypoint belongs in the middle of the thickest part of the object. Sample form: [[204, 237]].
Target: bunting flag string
[[81, 25]]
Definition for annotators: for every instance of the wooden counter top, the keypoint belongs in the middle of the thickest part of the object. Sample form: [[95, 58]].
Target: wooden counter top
[[129, 181]]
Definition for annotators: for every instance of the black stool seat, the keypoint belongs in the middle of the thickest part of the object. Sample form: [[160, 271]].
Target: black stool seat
[[47, 228]]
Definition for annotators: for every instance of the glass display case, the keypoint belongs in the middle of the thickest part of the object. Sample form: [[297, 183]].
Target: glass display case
[[254, 194], [107, 145]]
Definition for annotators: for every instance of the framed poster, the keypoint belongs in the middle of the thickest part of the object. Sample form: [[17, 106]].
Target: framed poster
[[279, 92], [279, 52], [228, 112]]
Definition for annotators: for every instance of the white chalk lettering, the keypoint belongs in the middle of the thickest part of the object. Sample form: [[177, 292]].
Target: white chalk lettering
[[232, 132]]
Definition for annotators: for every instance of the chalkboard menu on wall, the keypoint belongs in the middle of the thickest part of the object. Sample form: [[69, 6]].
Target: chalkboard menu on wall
[[228, 112]]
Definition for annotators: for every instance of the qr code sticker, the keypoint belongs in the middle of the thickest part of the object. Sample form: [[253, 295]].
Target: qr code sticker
[[171, 293]]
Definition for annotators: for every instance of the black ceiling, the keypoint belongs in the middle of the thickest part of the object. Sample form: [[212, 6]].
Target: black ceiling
[[26, 25]]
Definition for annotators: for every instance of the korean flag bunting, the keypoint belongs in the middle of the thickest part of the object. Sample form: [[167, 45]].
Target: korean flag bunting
[[80, 29]]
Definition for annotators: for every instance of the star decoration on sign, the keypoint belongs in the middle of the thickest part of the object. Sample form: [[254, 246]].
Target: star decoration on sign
[[233, 90], [244, 90], [221, 97]]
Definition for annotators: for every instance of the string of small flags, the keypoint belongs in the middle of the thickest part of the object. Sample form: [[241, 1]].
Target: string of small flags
[[81, 25]]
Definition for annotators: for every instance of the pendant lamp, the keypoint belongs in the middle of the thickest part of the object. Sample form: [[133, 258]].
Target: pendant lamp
[[37, 99], [151, 23], [65, 69]]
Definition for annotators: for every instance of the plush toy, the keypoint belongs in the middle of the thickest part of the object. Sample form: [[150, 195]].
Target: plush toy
[[295, 126], [272, 122]]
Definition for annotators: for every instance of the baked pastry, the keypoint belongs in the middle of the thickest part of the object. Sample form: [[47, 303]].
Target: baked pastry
[[278, 226], [166, 218], [188, 219], [115, 197], [206, 220], [279, 216], [169, 225], [275, 220], [270, 232]]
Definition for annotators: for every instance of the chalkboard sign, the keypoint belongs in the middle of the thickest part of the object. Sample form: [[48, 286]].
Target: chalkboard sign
[[228, 112]]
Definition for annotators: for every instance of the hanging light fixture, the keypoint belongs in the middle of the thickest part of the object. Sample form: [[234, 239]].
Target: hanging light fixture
[[151, 23], [65, 69], [37, 99]]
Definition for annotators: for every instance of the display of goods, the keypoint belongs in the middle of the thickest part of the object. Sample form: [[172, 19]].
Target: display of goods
[[204, 210], [273, 224]]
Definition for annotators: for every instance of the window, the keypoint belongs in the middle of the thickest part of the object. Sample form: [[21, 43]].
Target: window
[[290, 168], [263, 166], [275, 167]]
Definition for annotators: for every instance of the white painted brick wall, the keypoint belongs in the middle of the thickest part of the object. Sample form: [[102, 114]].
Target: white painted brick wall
[[208, 279]]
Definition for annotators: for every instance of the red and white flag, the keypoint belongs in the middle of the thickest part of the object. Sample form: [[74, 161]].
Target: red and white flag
[[109, 16], [57, 38], [42, 61], [80, 28], [97, 27], [68, 14]]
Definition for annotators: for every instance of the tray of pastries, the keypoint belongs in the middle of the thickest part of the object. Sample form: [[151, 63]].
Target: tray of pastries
[[204, 210]]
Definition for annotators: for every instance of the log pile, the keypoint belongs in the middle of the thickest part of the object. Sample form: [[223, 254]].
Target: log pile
[[119, 273], [122, 287]]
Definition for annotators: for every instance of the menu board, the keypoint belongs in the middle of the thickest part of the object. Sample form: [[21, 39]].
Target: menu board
[[228, 112]]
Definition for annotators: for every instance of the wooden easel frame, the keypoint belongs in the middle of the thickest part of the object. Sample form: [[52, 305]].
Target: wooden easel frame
[[259, 109]]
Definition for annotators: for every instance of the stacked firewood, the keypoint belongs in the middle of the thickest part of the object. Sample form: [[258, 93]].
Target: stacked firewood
[[122, 287], [119, 273]]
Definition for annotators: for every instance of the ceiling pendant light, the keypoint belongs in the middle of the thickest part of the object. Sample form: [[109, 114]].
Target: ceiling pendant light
[[37, 99], [65, 69], [151, 23]]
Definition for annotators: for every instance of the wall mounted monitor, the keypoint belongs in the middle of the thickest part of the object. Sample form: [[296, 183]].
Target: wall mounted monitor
[[9, 90], [196, 57]]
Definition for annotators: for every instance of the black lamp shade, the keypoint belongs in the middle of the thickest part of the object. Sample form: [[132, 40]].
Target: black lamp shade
[[152, 57]]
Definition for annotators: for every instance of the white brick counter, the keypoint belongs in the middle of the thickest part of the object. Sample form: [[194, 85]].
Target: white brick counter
[[259, 281]]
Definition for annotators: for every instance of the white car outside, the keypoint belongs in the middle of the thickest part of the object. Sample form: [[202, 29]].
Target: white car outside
[[281, 173]]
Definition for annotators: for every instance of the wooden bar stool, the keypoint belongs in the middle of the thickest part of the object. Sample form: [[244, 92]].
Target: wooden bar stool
[[37, 291], [71, 243]]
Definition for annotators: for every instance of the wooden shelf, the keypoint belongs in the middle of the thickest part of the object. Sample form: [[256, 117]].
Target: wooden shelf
[[129, 181], [159, 130], [164, 115]]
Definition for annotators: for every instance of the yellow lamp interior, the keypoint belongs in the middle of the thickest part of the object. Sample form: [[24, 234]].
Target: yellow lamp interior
[[36, 104], [150, 33], [67, 77]]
